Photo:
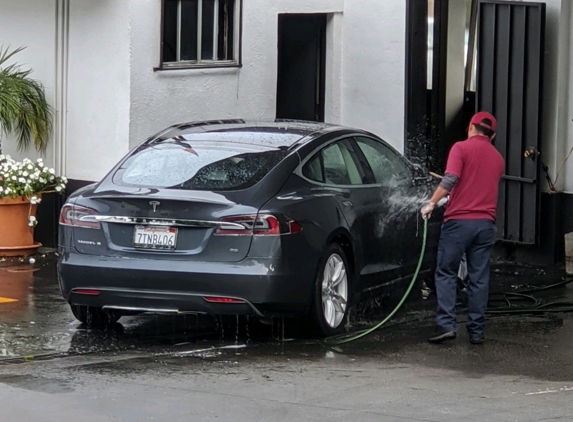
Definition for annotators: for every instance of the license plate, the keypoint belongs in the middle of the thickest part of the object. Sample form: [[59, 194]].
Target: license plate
[[154, 237]]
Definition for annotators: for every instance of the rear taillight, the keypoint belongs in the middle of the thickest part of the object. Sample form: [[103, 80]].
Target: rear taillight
[[89, 292], [73, 215], [257, 225], [218, 299]]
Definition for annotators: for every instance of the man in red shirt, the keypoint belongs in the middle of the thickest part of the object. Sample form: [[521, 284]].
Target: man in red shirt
[[473, 172]]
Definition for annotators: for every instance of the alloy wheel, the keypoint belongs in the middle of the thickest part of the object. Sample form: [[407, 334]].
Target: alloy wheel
[[334, 291]]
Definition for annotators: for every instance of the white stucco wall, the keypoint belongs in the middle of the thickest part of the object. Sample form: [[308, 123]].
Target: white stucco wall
[[557, 138], [365, 69], [373, 61], [566, 104], [556, 85], [115, 100], [569, 134], [97, 131], [98, 93], [30, 23]]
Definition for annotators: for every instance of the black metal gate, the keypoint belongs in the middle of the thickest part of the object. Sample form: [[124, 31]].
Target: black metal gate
[[510, 49]]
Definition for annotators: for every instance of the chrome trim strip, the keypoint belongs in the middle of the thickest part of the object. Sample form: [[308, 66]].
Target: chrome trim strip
[[131, 308], [163, 222]]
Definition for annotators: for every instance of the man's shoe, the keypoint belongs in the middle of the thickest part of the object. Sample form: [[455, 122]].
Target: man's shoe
[[442, 336], [477, 340]]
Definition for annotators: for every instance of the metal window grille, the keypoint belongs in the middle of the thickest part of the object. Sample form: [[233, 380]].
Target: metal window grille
[[200, 32]]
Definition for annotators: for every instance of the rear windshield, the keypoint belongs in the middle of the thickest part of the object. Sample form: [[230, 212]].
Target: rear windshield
[[201, 166]]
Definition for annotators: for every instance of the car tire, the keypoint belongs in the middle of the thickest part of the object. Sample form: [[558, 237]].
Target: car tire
[[332, 292], [94, 316]]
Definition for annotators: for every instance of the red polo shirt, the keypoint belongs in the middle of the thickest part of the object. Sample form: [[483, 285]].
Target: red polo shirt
[[479, 167]]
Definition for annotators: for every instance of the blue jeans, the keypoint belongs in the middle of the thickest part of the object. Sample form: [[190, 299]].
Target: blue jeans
[[475, 238]]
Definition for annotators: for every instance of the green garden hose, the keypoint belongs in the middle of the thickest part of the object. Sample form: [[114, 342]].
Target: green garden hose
[[347, 338]]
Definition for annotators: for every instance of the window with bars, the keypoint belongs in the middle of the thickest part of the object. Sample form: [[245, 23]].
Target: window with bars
[[200, 33]]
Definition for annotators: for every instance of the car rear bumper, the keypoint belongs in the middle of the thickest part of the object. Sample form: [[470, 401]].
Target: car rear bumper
[[265, 285]]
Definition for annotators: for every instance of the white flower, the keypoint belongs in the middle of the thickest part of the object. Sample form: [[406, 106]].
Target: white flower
[[52, 171], [42, 180], [25, 174], [22, 180], [32, 222], [34, 200], [58, 188], [14, 178]]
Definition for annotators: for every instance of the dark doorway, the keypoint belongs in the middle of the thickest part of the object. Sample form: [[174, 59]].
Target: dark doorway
[[301, 66]]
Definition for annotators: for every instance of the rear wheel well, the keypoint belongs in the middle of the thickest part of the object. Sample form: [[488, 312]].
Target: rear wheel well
[[346, 246]]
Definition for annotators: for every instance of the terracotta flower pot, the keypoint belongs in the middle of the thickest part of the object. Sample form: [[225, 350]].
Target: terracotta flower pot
[[16, 236]]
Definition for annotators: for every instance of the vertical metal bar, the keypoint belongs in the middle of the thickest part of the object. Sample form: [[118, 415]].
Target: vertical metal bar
[[321, 68], [178, 49], [416, 107], [532, 116], [65, 91], [501, 104], [488, 62], [515, 121], [238, 27], [57, 97], [486, 57], [471, 45], [226, 30], [199, 29], [162, 34], [439, 83], [216, 31]]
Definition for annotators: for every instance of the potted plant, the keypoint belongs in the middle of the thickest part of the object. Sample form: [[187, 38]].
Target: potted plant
[[25, 113], [21, 187]]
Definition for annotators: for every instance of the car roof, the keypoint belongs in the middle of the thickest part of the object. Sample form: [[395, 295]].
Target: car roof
[[280, 133]]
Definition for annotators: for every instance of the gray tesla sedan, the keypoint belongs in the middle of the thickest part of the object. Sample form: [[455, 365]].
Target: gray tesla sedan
[[237, 217]]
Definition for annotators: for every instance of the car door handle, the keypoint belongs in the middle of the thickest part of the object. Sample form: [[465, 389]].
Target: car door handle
[[348, 204]]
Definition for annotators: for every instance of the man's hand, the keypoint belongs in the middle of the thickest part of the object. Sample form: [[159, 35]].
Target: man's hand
[[427, 209]]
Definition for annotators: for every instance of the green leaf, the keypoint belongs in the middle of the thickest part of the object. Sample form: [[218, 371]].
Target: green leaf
[[24, 110]]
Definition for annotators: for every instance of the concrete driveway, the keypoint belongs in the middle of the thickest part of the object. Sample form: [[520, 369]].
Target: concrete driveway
[[210, 369]]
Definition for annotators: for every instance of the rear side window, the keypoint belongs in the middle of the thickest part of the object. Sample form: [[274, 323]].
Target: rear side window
[[201, 166], [389, 168], [335, 165]]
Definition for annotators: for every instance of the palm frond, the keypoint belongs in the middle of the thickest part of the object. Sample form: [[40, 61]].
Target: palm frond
[[24, 109]]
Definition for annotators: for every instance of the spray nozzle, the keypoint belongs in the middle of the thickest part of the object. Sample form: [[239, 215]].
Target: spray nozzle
[[443, 201]]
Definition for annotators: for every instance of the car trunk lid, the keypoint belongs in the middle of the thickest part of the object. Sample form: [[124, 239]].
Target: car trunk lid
[[193, 227]]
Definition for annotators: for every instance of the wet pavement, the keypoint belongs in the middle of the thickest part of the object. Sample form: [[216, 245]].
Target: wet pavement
[[237, 369]]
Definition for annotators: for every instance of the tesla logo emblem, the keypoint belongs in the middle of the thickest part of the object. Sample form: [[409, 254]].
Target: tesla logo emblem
[[154, 204]]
